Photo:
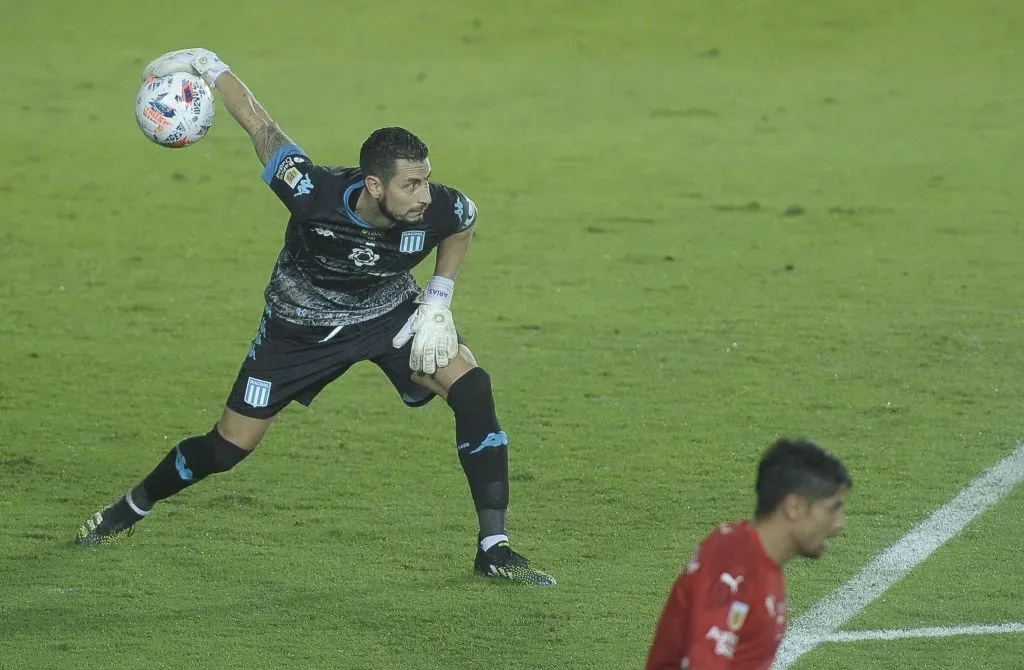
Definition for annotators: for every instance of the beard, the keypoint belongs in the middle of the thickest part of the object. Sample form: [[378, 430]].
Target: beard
[[815, 552], [391, 215]]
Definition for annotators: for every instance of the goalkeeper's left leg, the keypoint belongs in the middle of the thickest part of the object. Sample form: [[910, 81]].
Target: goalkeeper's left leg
[[192, 460], [483, 452]]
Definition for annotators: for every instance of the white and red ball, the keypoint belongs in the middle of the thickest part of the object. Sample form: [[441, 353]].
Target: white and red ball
[[175, 111]]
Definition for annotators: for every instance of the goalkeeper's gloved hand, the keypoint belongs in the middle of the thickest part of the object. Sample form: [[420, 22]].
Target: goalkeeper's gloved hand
[[197, 61], [431, 328]]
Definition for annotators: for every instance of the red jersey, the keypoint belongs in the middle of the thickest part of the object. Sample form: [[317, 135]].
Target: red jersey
[[727, 611]]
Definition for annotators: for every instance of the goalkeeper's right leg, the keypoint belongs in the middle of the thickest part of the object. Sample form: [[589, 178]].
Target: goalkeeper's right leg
[[192, 460]]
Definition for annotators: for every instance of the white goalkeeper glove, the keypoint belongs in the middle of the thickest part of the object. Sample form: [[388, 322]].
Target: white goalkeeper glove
[[431, 328], [197, 61]]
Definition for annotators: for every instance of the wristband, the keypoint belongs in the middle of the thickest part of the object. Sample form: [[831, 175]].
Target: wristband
[[439, 291]]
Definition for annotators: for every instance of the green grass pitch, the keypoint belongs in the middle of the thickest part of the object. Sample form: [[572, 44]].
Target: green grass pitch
[[702, 225]]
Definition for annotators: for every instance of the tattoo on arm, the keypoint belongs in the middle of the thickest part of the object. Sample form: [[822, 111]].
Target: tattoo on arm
[[268, 139]]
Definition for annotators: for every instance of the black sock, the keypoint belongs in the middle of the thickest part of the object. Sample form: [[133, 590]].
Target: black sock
[[192, 460], [483, 449]]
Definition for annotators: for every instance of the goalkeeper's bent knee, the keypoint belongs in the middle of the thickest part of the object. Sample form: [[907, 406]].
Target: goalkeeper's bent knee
[[209, 454], [191, 461]]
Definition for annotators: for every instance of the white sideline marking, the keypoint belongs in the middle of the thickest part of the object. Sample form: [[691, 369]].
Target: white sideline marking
[[861, 635], [826, 617]]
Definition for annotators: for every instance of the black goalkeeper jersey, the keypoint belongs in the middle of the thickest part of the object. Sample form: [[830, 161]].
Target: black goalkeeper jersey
[[336, 269]]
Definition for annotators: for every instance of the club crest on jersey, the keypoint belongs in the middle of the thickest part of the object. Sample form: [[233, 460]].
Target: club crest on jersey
[[412, 241], [257, 392], [737, 615]]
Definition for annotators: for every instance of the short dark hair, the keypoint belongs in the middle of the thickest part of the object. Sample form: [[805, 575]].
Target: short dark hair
[[384, 147], [797, 466]]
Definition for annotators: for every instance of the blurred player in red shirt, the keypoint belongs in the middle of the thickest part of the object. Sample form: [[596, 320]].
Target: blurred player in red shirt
[[727, 611]]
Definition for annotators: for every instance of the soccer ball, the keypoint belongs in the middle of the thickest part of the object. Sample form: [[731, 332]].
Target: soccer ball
[[176, 110]]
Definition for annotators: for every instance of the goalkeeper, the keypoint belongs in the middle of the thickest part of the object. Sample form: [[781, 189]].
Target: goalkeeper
[[341, 292]]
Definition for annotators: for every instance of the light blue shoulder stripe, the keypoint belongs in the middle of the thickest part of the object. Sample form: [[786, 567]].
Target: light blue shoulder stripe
[[275, 160]]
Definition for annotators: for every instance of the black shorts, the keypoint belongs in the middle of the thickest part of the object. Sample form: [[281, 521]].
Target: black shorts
[[290, 362]]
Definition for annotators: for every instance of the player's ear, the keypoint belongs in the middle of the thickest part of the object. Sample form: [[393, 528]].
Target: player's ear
[[793, 507], [375, 186]]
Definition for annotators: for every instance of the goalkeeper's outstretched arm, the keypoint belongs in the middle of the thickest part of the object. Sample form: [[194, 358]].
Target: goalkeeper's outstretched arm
[[236, 96], [267, 136]]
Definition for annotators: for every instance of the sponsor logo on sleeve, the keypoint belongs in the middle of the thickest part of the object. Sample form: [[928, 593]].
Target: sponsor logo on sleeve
[[285, 165], [304, 187], [291, 176], [465, 213]]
